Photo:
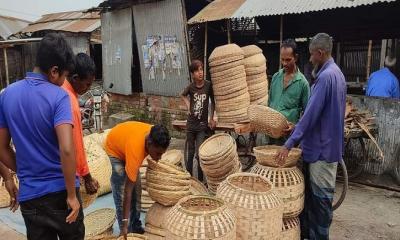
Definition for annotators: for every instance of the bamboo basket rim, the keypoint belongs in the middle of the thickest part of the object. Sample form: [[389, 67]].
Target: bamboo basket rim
[[133, 236], [226, 67], [175, 154], [166, 168], [220, 202], [262, 154], [251, 50], [244, 174], [105, 216], [225, 60], [229, 72], [225, 50], [228, 140]]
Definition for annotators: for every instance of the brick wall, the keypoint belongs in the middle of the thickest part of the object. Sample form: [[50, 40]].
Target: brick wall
[[150, 108]]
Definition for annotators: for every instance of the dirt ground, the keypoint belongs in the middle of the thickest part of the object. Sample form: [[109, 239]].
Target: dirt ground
[[366, 214]]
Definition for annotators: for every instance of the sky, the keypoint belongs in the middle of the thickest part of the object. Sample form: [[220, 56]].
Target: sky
[[33, 9]]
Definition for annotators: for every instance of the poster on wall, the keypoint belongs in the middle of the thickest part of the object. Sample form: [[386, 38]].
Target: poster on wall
[[162, 52]]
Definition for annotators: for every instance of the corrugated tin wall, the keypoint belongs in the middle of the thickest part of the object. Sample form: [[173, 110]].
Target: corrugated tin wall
[[387, 114], [163, 18], [116, 33], [79, 43]]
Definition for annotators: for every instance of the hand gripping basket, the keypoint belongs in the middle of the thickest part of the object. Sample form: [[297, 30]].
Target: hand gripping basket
[[99, 223], [265, 156], [289, 184], [290, 229], [200, 217], [87, 199], [267, 120], [257, 207], [99, 164]]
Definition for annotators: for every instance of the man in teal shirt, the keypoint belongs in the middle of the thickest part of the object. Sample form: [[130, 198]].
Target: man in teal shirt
[[290, 91]]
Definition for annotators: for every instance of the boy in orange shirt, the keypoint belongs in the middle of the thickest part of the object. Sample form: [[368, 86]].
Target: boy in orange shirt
[[78, 83], [127, 145]]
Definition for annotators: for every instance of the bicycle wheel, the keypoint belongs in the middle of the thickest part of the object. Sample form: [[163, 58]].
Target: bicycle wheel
[[342, 196], [355, 160]]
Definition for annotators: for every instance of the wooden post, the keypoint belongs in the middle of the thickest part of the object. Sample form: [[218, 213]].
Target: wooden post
[[383, 53], [6, 66], [369, 58], [338, 53], [228, 27], [205, 50]]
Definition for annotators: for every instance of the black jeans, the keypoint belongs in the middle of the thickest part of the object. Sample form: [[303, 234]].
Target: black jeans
[[194, 140], [45, 218]]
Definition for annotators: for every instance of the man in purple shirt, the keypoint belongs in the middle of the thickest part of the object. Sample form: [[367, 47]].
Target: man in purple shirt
[[36, 113], [320, 133]]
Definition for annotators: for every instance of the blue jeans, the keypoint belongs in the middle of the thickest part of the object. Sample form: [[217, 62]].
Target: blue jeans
[[117, 186]]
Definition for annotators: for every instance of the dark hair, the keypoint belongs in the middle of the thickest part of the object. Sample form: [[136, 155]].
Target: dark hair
[[195, 65], [84, 66], [54, 50], [290, 43], [159, 136]]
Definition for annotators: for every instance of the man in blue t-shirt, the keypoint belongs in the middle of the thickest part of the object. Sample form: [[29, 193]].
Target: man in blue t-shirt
[[36, 113], [383, 83]]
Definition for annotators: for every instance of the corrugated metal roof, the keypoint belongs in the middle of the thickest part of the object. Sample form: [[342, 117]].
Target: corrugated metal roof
[[76, 21], [217, 10], [225, 9], [255, 8], [10, 25]]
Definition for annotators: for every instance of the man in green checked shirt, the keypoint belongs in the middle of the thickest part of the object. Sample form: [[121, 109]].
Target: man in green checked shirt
[[290, 91]]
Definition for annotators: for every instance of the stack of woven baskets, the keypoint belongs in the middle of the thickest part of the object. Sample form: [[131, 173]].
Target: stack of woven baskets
[[256, 205], [146, 202], [228, 78], [201, 218], [287, 179], [166, 183], [256, 74], [218, 159], [267, 120]]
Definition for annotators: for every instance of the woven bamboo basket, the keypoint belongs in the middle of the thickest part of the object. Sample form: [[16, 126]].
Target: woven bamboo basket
[[87, 199], [266, 155], [107, 235], [99, 222], [251, 50], [167, 198], [257, 77], [239, 78], [255, 61], [134, 236], [231, 72], [257, 207], [172, 156], [267, 120], [226, 60], [197, 187], [226, 67], [167, 187], [159, 178], [161, 232], [229, 89], [4, 196], [226, 96], [289, 183], [291, 229], [200, 217], [231, 120], [99, 164], [255, 70], [168, 168], [156, 215], [225, 51], [216, 146], [152, 236]]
